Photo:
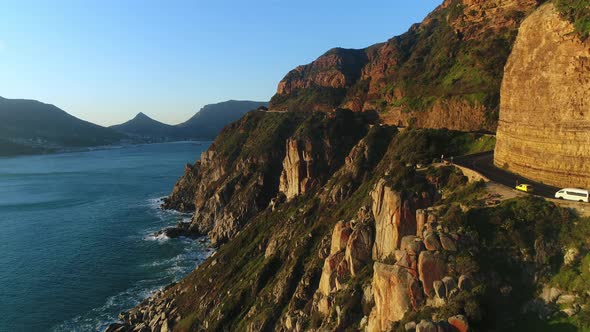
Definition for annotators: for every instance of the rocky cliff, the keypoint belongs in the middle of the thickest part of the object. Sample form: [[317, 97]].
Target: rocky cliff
[[327, 220], [443, 73], [543, 131], [374, 244], [249, 165]]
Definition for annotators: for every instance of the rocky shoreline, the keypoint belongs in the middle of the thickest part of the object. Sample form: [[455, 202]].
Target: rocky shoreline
[[157, 310]]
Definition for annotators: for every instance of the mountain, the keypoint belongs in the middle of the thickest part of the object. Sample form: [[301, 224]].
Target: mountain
[[30, 126], [443, 73], [210, 119], [204, 125], [144, 126], [334, 219]]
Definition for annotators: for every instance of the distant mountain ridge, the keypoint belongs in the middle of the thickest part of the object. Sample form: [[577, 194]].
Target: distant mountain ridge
[[30, 126], [210, 119], [144, 126], [204, 125]]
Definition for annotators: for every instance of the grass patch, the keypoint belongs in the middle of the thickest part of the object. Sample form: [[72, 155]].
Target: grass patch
[[577, 12]]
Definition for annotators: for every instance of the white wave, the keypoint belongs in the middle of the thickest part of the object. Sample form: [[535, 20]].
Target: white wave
[[170, 270], [153, 236]]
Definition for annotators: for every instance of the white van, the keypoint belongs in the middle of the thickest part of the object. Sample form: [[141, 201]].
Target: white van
[[573, 194]]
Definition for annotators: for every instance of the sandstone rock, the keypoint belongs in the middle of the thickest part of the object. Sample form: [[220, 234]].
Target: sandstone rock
[[165, 327], [550, 294], [450, 286], [141, 328], [411, 244], [116, 327], [394, 219], [439, 289], [459, 322], [298, 169], [358, 248], [431, 242], [271, 247], [330, 273], [406, 240], [324, 250], [571, 311], [396, 292], [387, 213], [408, 261], [340, 236], [571, 255], [324, 305], [368, 296], [447, 242], [421, 220], [431, 267], [410, 326], [545, 92], [426, 326], [566, 299], [363, 323], [399, 254]]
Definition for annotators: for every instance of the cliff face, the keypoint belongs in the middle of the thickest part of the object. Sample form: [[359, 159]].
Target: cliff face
[[543, 132], [371, 245], [249, 167], [442, 73]]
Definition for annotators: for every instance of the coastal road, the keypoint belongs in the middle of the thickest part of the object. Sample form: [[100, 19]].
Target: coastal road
[[483, 163]]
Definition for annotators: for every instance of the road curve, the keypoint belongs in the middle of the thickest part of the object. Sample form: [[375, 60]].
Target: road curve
[[483, 163]]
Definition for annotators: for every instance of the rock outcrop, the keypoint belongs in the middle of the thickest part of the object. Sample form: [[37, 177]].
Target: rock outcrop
[[396, 292], [231, 183], [543, 133], [299, 174], [182, 197], [428, 77], [395, 217], [312, 156]]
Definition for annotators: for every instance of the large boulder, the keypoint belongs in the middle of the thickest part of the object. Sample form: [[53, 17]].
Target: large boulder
[[395, 217], [426, 326], [431, 242], [447, 242], [358, 248], [332, 270], [396, 292], [459, 322], [340, 236], [431, 267]]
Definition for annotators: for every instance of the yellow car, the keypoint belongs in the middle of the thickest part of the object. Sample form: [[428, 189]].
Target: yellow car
[[527, 188]]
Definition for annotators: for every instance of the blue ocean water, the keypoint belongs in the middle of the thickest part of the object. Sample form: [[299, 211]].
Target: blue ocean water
[[76, 244]]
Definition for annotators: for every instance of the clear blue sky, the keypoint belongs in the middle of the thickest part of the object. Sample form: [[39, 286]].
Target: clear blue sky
[[106, 60]]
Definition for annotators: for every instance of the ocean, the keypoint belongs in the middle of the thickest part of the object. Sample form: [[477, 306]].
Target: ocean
[[76, 234]]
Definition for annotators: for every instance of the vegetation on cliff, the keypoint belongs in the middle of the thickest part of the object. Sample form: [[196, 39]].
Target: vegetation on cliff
[[274, 270], [577, 12], [451, 63]]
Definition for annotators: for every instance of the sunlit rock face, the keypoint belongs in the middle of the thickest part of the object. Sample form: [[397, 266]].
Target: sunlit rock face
[[544, 128]]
